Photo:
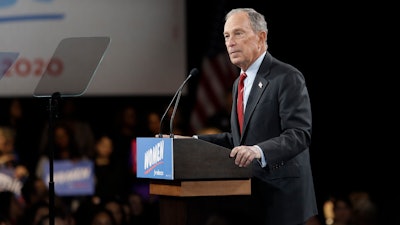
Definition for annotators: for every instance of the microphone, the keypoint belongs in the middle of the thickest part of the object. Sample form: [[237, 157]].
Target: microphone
[[177, 96], [171, 135]]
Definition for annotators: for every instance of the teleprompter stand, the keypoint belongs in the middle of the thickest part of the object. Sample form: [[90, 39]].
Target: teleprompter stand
[[76, 60]]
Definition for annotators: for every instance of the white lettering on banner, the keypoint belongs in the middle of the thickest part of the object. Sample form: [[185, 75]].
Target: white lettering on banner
[[10, 184], [154, 155], [158, 173], [75, 174]]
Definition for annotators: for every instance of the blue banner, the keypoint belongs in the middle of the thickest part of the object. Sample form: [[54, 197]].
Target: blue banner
[[155, 158], [72, 178], [8, 182]]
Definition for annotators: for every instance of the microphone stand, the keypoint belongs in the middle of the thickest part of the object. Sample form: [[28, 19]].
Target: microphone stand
[[53, 114], [178, 93], [165, 113], [171, 135]]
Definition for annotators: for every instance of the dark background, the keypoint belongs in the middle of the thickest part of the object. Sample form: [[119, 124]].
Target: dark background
[[344, 52]]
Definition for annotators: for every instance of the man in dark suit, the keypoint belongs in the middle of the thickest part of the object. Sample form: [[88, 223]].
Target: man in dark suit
[[276, 130]]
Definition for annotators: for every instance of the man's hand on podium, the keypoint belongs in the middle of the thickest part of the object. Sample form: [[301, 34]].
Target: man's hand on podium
[[244, 155]]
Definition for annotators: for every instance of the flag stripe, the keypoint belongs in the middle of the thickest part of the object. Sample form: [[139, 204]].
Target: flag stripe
[[218, 74]]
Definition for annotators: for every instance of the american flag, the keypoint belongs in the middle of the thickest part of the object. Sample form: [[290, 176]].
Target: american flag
[[217, 74]]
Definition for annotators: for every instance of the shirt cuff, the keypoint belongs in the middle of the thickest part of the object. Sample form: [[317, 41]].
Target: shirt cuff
[[262, 161]]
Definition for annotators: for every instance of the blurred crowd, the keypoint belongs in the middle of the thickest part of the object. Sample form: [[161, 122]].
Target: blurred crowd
[[118, 197]]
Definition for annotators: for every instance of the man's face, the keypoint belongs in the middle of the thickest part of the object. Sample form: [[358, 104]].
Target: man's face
[[242, 44]]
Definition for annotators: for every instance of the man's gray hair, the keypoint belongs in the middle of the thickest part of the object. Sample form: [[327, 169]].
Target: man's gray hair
[[257, 20]]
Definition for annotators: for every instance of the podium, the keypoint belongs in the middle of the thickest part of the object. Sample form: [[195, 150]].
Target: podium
[[193, 179]]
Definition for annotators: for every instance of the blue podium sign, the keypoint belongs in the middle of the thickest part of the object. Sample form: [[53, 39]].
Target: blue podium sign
[[155, 158]]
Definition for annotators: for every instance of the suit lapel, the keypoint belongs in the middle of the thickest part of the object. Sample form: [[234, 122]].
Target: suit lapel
[[259, 86], [235, 125]]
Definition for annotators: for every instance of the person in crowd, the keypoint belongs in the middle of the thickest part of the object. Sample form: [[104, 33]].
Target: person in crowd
[[35, 195], [274, 136], [61, 216], [365, 211], [102, 216], [342, 211], [152, 126], [33, 190], [64, 148], [18, 119], [125, 130], [71, 116], [9, 159], [58, 220], [10, 208], [111, 178], [34, 212], [116, 207], [4, 220], [220, 119], [142, 211]]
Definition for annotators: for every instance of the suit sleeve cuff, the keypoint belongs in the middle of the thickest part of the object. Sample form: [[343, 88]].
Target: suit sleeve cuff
[[262, 161]]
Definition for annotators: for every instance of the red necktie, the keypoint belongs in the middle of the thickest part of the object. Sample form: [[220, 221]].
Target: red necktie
[[240, 106]]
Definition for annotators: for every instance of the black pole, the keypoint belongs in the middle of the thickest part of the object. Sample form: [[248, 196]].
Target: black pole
[[53, 114]]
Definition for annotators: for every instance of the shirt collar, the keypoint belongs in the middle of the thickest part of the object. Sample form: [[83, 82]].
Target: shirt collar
[[252, 70]]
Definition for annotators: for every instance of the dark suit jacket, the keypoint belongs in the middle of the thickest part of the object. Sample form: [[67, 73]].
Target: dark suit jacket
[[278, 120]]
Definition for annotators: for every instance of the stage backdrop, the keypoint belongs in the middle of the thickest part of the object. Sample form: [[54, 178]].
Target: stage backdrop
[[146, 55]]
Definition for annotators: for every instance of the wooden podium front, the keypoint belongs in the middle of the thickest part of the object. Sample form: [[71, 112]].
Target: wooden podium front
[[206, 182], [200, 188], [194, 202]]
